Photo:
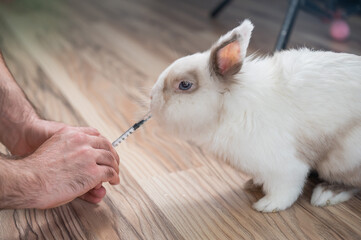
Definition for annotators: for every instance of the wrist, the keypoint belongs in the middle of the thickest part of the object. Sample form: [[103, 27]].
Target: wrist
[[16, 113], [19, 184], [14, 131]]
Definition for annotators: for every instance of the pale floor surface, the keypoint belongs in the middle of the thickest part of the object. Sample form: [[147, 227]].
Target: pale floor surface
[[93, 63]]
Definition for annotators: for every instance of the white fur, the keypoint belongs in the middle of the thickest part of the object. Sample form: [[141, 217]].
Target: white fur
[[322, 197], [244, 30], [254, 125]]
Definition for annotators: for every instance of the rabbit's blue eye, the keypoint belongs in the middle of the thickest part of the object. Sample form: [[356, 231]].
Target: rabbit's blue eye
[[185, 85]]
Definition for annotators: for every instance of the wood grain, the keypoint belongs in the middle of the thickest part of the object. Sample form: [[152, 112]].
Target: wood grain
[[94, 62]]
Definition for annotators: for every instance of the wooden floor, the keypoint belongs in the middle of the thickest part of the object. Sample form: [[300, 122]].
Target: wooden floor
[[94, 62]]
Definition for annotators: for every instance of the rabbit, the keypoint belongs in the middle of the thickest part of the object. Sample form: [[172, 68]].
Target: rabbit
[[273, 117]]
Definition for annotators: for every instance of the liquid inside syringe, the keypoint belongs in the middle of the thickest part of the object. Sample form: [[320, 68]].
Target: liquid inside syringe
[[131, 130]]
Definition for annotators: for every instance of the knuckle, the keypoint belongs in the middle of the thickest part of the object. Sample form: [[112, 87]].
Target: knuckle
[[105, 143], [86, 151], [82, 155], [108, 155], [90, 130], [116, 157], [110, 173], [79, 137], [94, 130]]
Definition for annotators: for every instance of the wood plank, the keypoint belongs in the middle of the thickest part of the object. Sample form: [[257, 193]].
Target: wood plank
[[146, 218], [93, 63]]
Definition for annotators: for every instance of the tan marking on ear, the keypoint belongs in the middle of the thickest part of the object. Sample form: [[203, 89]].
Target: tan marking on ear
[[228, 56], [226, 49]]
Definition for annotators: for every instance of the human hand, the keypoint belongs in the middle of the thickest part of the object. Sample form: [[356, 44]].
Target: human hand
[[71, 163], [35, 132]]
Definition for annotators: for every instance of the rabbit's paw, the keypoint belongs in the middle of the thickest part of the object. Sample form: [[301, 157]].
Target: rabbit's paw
[[329, 194], [269, 204]]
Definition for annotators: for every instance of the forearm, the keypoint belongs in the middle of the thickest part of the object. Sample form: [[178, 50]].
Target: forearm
[[15, 109], [19, 187]]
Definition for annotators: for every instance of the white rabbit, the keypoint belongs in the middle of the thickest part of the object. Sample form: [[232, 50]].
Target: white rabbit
[[273, 117]]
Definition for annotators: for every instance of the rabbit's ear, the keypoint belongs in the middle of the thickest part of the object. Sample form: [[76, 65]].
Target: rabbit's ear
[[228, 54]]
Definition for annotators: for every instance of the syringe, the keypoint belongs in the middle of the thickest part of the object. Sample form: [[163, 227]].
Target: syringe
[[131, 130]]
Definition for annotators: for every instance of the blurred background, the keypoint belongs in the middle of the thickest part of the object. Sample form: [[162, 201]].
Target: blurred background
[[187, 26], [113, 50], [116, 49], [318, 24]]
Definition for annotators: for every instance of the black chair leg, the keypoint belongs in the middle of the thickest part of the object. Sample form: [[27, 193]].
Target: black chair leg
[[287, 25], [219, 7]]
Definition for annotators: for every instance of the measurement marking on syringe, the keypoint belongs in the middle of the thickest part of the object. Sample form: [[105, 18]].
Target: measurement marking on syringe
[[131, 130]]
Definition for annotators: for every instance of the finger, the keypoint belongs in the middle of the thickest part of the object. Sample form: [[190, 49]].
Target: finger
[[108, 174], [88, 130], [102, 143], [90, 198], [98, 193], [106, 158], [115, 154], [94, 195], [98, 186]]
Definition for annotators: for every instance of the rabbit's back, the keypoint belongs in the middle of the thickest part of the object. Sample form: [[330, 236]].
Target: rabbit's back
[[325, 88]]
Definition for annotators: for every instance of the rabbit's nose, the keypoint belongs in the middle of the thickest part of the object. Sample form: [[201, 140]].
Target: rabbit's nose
[[151, 97]]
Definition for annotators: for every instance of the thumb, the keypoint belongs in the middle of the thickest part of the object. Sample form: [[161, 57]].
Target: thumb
[[41, 131], [50, 127]]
